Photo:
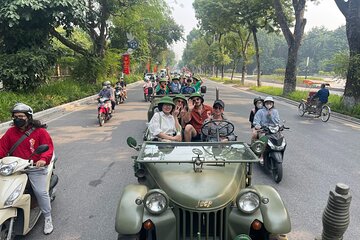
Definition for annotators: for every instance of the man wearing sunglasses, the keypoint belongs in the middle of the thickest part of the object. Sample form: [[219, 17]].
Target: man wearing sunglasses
[[195, 117]]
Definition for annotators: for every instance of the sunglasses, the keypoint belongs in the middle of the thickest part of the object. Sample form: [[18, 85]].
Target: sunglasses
[[218, 107], [197, 99]]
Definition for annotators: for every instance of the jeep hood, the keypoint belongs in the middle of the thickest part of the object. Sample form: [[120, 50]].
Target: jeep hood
[[186, 188]]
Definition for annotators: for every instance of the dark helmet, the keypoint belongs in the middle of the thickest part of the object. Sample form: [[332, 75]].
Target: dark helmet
[[258, 99], [23, 108]]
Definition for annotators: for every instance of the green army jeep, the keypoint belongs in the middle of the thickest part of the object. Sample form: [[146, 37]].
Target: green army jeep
[[198, 190]]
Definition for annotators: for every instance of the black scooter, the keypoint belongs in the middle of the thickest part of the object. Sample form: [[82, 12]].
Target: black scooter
[[275, 146]]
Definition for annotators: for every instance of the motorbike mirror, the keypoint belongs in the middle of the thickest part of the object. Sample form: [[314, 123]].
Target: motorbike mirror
[[203, 89], [131, 142], [41, 149]]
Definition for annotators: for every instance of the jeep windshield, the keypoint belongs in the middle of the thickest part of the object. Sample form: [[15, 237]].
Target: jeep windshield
[[206, 152]]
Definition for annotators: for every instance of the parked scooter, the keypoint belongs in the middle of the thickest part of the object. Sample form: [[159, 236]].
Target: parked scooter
[[19, 211], [104, 110], [274, 150]]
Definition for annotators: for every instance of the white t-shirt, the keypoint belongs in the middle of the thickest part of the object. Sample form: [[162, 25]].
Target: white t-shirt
[[162, 123]]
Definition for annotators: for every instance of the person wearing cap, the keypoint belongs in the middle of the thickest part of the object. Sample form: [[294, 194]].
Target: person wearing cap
[[268, 115], [175, 86], [163, 126], [162, 88], [188, 88], [23, 123], [212, 128], [180, 108], [197, 113], [197, 83]]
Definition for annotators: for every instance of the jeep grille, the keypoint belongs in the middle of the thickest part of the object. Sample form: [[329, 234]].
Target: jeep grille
[[210, 225]]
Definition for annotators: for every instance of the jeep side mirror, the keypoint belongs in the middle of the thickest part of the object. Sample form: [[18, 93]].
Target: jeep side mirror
[[203, 89], [131, 142]]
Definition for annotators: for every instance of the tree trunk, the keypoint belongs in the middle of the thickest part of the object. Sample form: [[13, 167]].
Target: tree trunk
[[293, 40], [243, 71], [233, 69], [254, 31], [222, 72], [351, 11]]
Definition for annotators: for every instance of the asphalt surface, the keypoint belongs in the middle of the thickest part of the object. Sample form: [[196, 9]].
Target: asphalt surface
[[95, 164]]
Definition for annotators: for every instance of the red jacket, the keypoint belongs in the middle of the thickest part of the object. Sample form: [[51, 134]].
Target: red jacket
[[198, 119], [38, 137]]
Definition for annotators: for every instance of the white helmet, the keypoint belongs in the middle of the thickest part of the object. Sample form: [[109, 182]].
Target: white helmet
[[23, 108], [269, 99]]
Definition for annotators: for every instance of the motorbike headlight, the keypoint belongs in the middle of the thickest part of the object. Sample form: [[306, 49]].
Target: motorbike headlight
[[248, 202], [13, 196], [7, 169], [274, 129], [257, 147], [156, 201]]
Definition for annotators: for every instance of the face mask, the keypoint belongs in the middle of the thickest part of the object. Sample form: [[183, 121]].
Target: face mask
[[259, 105], [18, 122], [268, 105], [108, 86]]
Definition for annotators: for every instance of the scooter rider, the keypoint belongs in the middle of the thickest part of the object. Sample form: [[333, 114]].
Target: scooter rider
[[266, 116], [24, 123], [112, 97], [258, 104]]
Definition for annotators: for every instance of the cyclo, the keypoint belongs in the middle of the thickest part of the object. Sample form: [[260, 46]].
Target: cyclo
[[309, 106]]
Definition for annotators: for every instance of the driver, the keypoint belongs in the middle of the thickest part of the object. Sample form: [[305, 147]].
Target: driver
[[216, 124], [36, 135]]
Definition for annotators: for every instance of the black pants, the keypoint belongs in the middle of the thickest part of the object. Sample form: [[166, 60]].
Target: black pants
[[113, 105]]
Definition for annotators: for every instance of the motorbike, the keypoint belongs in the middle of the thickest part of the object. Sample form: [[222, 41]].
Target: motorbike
[[104, 110], [19, 210], [273, 153], [119, 95], [148, 93]]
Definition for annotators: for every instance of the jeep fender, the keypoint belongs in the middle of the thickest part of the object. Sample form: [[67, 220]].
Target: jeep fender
[[277, 156], [129, 215], [275, 215]]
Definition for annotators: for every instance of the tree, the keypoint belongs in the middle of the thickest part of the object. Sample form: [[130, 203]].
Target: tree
[[293, 39], [351, 10]]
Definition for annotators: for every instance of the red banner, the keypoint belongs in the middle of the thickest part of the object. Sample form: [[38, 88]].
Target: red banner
[[126, 64]]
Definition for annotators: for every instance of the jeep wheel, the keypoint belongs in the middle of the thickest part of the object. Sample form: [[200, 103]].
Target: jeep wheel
[[277, 172], [128, 237]]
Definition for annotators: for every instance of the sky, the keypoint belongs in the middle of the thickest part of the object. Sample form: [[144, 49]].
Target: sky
[[326, 14]]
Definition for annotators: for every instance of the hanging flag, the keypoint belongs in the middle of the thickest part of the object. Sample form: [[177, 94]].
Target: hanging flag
[[126, 64]]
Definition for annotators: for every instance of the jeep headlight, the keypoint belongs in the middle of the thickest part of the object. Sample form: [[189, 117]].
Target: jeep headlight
[[13, 196], [7, 169], [156, 201], [248, 202]]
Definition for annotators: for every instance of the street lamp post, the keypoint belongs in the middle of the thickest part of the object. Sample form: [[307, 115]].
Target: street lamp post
[[307, 67]]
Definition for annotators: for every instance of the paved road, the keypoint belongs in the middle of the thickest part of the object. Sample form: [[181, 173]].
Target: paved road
[[94, 165]]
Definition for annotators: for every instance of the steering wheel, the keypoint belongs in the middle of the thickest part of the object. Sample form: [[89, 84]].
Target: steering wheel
[[219, 125]]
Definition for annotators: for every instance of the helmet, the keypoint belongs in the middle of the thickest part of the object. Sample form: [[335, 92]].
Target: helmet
[[269, 99], [107, 83], [180, 96], [258, 99], [197, 95], [23, 108], [167, 100], [162, 80]]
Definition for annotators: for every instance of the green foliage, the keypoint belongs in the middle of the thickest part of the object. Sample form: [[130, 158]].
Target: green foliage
[[26, 69], [46, 96], [87, 69], [279, 71]]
